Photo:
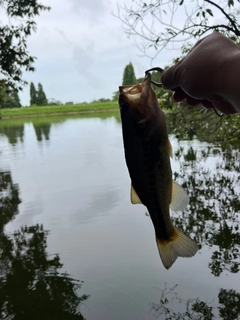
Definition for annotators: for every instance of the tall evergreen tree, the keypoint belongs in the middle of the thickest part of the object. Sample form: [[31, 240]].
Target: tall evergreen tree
[[129, 75], [33, 94], [41, 97]]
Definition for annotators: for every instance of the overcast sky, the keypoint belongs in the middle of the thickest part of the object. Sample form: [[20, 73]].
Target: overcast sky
[[81, 51]]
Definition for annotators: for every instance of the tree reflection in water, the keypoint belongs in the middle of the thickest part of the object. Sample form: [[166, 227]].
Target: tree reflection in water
[[31, 284], [212, 219], [42, 130], [195, 309], [212, 215], [13, 133]]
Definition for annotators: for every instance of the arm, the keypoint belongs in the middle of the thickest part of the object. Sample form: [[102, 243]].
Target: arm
[[209, 74]]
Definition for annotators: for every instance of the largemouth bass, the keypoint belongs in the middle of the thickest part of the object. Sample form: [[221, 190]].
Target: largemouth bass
[[147, 153]]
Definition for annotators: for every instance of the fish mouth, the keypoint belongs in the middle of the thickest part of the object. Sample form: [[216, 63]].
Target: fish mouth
[[134, 92]]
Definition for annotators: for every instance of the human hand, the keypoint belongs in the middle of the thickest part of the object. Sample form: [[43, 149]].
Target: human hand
[[209, 74]]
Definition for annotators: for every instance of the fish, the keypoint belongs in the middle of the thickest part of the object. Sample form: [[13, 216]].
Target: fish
[[147, 153]]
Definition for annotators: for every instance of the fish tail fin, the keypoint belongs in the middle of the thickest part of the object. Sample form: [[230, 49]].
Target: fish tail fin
[[179, 246]]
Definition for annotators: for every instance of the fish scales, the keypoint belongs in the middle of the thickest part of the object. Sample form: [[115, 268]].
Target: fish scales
[[147, 154]]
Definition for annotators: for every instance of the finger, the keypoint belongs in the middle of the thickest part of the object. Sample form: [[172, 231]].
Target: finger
[[169, 78], [207, 104], [178, 97], [192, 102]]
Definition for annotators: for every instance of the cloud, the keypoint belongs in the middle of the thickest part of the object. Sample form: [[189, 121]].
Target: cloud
[[93, 9], [84, 63], [81, 51]]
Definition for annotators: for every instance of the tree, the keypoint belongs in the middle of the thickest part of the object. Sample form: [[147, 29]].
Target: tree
[[33, 94], [16, 99], [172, 24], [37, 97], [9, 98], [129, 75], [20, 15], [41, 97]]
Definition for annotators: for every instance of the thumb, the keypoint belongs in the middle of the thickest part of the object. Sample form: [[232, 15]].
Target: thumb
[[170, 77]]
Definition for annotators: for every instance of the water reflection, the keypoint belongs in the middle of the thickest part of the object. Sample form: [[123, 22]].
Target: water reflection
[[103, 202], [14, 129], [9, 198], [13, 133], [79, 178], [196, 309], [42, 131], [32, 285], [212, 217]]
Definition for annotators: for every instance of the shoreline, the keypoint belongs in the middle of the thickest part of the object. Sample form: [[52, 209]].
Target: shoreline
[[62, 113]]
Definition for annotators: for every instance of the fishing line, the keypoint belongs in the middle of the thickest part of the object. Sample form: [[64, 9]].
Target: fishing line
[[218, 114]]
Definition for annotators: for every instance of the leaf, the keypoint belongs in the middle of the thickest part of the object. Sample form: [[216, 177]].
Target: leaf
[[181, 2], [209, 11]]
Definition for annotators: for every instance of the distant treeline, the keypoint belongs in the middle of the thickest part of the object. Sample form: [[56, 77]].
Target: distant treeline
[[9, 98]]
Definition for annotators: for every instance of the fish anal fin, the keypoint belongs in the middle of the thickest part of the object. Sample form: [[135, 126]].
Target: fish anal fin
[[179, 246], [134, 196], [180, 198]]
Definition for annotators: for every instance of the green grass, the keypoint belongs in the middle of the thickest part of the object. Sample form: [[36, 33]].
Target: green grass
[[94, 107], [51, 119]]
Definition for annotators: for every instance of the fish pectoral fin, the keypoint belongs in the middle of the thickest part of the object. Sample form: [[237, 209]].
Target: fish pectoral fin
[[170, 150], [180, 198], [179, 246], [134, 197]]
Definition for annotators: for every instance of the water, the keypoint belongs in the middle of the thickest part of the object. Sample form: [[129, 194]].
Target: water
[[66, 217]]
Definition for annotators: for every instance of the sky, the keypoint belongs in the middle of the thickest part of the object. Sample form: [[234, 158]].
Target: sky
[[82, 50]]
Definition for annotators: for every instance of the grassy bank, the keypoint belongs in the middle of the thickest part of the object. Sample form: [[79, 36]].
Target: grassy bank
[[59, 110]]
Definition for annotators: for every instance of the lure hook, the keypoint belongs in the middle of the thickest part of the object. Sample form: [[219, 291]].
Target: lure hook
[[155, 69]]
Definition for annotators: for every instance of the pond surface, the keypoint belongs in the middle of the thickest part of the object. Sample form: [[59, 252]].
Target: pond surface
[[73, 246]]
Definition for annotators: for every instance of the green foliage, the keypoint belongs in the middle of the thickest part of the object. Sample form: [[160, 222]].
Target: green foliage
[[129, 75], [41, 97], [187, 122], [13, 39], [37, 97], [33, 94], [54, 102], [9, 98], [92, 107], [115, 96]]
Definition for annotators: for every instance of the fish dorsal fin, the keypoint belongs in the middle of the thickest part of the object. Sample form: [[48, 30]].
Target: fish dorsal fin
[[170, 151], [134, 197], [180, 198]]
